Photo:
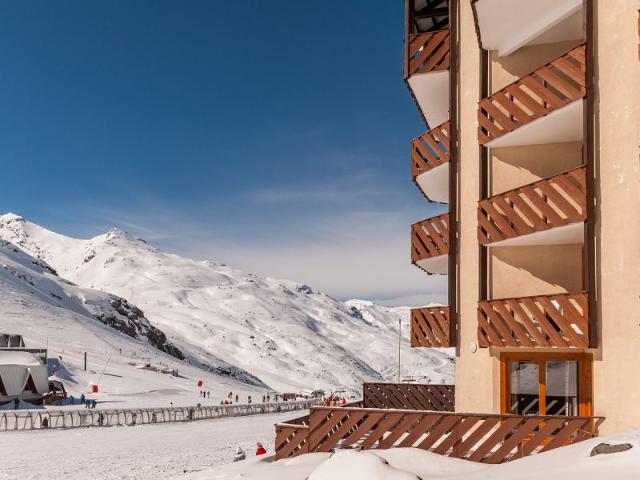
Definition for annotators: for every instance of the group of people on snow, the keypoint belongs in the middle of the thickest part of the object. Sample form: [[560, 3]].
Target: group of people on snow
[[205, 394], [334, 401], [88, 403]]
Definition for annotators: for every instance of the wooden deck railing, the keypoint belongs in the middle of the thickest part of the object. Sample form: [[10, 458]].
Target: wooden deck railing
[[430, 238], [430, 327], [409, 396], [291, 437], [427, 52], [547, 89], [560, 320], [430, 150], [553, 202], [476, 437]]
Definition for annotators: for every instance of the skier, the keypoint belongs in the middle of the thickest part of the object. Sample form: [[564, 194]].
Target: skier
[[240, 455], [237, 396], [208, 394], [260, 450], [82, 397], [249, 399], [263, 398]]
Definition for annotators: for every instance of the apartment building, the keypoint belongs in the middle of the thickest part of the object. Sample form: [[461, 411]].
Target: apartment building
[[532, 117], [532, 148]]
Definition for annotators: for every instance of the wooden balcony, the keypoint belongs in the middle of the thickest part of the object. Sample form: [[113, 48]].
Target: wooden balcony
[[430, 327], [558, 201], [429, 163], [427, 52], [430, 244], [560, 320], [547, 89], [409, 396], [291, 437], [482, 438], [426, 73]]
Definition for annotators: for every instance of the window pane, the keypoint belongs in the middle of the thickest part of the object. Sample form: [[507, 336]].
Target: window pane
[[524, 388], [562, 388]]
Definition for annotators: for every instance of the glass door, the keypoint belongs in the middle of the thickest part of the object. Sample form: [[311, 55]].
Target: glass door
[[546, 384]]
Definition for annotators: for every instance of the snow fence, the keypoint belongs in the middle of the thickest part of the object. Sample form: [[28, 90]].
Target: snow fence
[[73, 418]]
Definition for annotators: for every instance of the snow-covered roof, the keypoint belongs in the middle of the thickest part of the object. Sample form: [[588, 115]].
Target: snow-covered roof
[[16, 357]]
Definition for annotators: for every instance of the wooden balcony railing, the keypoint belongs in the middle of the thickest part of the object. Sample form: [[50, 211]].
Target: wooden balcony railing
[[430, 150], [560, 320], [430, 327], [542, 205], [291, 437], [427, 52], [477, 437], [409, 396], [550, 87], [430, 238]]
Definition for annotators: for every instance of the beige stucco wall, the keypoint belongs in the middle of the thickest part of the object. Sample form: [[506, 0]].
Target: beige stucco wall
[[512, 167], [617, 243], [617, 390], [535, 270], [508, 69], [475, 384]]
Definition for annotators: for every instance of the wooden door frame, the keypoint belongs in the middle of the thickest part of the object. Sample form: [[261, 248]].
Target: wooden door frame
[[585, 376]]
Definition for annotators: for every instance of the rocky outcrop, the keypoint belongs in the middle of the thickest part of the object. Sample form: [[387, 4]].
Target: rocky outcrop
[[130, 320]]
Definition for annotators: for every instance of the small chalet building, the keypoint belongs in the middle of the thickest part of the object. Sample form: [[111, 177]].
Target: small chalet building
[[531, 139], [23, 371]]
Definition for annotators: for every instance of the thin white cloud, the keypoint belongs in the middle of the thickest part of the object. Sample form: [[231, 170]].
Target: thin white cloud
[[350, 238]]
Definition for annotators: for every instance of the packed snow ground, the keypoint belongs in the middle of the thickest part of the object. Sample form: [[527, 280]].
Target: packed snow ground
[[203, 450], [259, 331], [141, 452], [567, 463]]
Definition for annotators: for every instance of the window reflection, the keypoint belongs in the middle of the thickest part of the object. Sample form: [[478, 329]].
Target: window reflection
[[524, 388], [561, 388]]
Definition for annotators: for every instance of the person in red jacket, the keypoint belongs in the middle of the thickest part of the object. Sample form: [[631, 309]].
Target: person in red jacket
[[260, 450]]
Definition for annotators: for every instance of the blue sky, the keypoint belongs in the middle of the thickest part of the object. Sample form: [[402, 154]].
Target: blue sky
[[272, 135]]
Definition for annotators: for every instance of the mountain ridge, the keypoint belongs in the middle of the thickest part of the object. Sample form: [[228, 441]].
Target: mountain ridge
[[284, 333]]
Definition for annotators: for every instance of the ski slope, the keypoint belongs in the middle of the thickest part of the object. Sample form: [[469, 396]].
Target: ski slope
[[259, 330]]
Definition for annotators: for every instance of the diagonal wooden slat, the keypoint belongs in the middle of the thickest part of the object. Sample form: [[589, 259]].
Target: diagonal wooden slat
[[534, 207], [549, 88], [341, 431], [428, 52], [438, 431], [430, 327], [559, 320], [430, 238], [420, 429], [409, 396], [291, 440], [487, 438]]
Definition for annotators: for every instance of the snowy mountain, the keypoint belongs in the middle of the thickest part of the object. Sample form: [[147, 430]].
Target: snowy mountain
[[285, 335], [116, 336], [21, 272]]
